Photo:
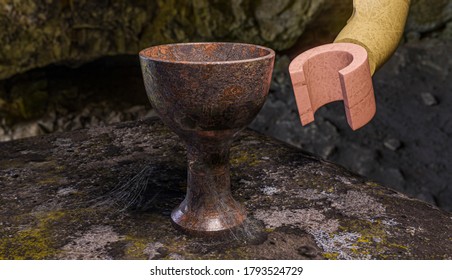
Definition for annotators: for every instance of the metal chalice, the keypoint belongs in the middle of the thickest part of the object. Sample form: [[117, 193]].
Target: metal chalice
[[206, 93]]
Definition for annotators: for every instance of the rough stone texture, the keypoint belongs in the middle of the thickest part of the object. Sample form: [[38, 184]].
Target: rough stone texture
[[107, 193], [37, 33], [427, 16]]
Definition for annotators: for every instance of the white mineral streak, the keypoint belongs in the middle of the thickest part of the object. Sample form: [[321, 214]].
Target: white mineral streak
[[359, 205], [306, 219], [352, 204], [93, 244]]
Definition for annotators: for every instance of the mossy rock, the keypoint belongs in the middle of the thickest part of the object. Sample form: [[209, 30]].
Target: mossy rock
[[74, 32], [39, 33], [107, 192]]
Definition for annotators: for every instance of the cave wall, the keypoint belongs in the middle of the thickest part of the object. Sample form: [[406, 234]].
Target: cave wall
[[38, 33]]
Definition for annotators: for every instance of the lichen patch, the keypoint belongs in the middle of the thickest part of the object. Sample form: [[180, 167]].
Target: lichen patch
[[305, 219], [358, 205], [92, 244]]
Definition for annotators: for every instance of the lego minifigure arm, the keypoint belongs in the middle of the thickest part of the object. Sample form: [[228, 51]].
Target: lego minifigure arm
[[376, 25], [343, 70]]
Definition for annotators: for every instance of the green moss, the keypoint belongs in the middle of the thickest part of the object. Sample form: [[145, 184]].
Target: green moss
[[364, 239], [243, 157], [48, 181], [398, 246], [373, 240], [138, 238], [235, 254], [11, 164], [372, 184], [135, 248], [33, 243], [52, 173], [331, 256]]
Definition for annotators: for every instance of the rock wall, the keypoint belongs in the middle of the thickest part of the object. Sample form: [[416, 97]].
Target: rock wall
[[427, 16], [38, 33]]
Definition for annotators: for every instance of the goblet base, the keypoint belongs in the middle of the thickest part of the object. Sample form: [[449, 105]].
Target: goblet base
[[206, 221]]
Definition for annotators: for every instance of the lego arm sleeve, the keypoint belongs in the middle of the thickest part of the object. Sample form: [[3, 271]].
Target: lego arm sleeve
[[377, 26]]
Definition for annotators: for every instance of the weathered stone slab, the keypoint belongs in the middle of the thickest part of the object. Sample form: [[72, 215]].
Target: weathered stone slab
[[107, 192]]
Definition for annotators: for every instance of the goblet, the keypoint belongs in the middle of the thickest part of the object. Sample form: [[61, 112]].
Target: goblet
[[206, 93]]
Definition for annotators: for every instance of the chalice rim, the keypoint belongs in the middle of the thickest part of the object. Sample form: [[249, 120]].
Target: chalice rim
[[269, 55]]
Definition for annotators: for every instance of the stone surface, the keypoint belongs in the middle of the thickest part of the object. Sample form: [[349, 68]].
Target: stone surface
[[107, 192], [428, 99], [392, 144]]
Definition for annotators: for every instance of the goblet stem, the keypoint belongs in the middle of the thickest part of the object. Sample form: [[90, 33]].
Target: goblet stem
[[208, 205]]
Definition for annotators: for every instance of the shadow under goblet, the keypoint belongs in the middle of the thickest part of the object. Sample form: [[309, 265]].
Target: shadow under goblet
[[206, 93]]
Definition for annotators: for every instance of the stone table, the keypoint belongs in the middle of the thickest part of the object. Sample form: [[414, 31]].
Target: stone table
[[107, 193]]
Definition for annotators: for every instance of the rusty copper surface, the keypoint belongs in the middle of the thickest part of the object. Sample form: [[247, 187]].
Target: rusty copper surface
[[206, 93]]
